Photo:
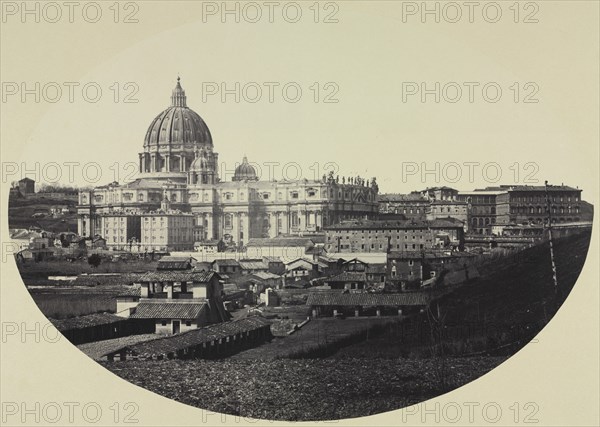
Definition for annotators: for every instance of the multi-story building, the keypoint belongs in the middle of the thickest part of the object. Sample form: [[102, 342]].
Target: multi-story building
[[175, 301], [521, 204], [412, 206], [484, 209], [440, 193], [429, 204], [526, 204], [384, 236], [159, 230], [178, 164], [440, 209]]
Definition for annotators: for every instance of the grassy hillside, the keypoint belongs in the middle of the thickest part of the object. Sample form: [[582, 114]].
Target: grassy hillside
[[20, 213]]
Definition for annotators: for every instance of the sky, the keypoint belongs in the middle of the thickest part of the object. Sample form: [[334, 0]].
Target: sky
[[370, 66]]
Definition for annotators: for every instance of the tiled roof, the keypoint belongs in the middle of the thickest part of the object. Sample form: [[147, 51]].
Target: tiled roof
[[426, 255], [86, 321], [376, 268], [174, 265], [266, 275], [177, 276], [254, 265], [399, 224], [281, 242], [226, 262], [349, 276], [366, 299], [163, 346], [529, 188], [448, 202], [168, 310], [393, 197], [177, 258], [207, 243]]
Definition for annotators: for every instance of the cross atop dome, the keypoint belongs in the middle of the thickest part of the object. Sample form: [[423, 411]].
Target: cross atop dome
[[178, 96]]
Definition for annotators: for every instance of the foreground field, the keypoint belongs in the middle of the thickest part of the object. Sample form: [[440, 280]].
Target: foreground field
[[318, 338], [299, 390]]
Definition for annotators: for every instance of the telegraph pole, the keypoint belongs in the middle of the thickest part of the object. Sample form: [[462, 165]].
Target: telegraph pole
[[549, 210]]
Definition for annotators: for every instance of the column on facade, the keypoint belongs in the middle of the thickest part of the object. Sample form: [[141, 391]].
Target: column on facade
[[235, 222], [167, 163], [319, 220], [272, 224], [152, 162], [304, 224], [285, 221], [209, 226], [141, 169], [245, 223]]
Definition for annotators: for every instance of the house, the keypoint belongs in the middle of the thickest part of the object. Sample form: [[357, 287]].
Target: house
[[253, 266], [77, 243], [226, 266], [257, 282], [355, 264], [276, 265], [22, 237], [366, 304], [175, 263], [209, 246], [304, 268], [235, 297], [42, 242], [285, 248], [96, 242], [348, 280], [26, 186], [376, 273], [412, 269], [203, 266], [175, 301]]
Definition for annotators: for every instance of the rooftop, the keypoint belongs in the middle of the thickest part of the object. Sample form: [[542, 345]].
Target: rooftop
[[395, 197], [366, 299], [88, 321], [177, 276], [171, 344], [400, 224], [167, 309], [281, 242]]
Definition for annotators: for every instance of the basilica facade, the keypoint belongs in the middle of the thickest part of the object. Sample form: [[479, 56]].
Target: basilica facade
[[178, 188]]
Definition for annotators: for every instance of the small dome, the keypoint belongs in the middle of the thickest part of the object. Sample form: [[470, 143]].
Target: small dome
[[201, 164], [245, 172]]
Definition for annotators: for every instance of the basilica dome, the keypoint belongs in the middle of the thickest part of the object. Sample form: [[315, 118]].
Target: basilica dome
[[173, 141], [245, 172], [178, 124]]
